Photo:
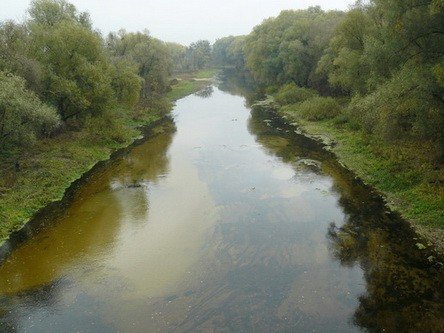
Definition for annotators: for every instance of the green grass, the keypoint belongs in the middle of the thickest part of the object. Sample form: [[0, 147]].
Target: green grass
[[54, 164], [206, 73], [400, 170], [189, 83], [185, 88]]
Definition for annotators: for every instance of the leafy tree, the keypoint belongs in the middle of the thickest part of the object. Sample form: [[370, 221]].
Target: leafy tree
[[389, 53], [229, 51], [288, 48], [126, 82], [14, 54], [23, 117], [77, 72], [51, 12], [177, 54], [406, 106], [344, 60], [150, 55], [198, 55]]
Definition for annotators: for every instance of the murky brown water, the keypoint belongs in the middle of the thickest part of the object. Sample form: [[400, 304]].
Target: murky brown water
[[231, 223]]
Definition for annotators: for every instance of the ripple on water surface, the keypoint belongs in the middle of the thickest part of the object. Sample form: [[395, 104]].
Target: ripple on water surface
[[232, 222]]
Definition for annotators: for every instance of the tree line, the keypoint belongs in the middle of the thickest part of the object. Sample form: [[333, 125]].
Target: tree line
[[57, 71], [383, 57]]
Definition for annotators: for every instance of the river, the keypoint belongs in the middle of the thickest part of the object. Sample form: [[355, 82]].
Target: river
[[224, 221]]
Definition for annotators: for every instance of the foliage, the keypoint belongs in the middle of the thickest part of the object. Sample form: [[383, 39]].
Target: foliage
[[23, 117], [198, 55], [14, 54], [77, 73], [389, 55], [50, 12], [149, 54], [407, 106], [290, 93], [178, 56], [126, 82], [229, 51], [343, 60], [287, 48], [319, 108]]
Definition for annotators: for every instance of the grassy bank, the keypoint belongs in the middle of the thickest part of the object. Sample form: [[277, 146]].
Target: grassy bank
[[189, 83], [401, 170], [45, 172]]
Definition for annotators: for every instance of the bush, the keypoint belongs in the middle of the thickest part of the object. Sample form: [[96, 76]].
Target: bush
[[291, 93], [407, 106], [319, 108], [23, 117], [109, 126]]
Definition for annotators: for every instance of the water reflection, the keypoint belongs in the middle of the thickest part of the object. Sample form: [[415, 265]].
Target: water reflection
[[404, 289], [206, 92], [232, 223], [92, 220], [266, 265]]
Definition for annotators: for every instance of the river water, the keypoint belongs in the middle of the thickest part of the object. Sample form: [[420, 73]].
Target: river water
[[225, 221]]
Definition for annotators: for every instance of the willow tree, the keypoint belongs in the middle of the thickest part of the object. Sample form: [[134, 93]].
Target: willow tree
[[23, 117], [150, 55], [287, 48]]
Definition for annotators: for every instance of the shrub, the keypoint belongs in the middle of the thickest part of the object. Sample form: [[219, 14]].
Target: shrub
[[406, 106], [319, 108], [23, 117], [109, 126], [291, 93]]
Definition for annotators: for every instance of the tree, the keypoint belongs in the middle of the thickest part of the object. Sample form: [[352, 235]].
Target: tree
[[150, 55], [343, 60], [198, 55], [23, 117], [126, 82], [51, 12], [177, 54], [229, 51], [14, 54], [287, 48], [77, 72]]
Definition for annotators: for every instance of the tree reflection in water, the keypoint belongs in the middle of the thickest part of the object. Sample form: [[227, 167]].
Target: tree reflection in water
[[404, 291], [207, 92], [271, 263], [404, 285]]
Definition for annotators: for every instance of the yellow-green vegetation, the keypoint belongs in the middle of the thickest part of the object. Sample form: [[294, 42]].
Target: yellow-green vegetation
[[205, 73], [31, 179], [43, 174], [69, 98], [190, 82], [371, 79], [184, 88], [402, 171]]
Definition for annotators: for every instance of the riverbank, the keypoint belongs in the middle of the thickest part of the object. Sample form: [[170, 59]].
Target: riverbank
[[409, 184], [43, 174]]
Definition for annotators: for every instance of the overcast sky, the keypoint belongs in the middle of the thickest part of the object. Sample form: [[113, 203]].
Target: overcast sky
[[182, 21]]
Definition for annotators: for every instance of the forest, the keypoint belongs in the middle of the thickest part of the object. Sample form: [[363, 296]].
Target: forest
[[371, 77]]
